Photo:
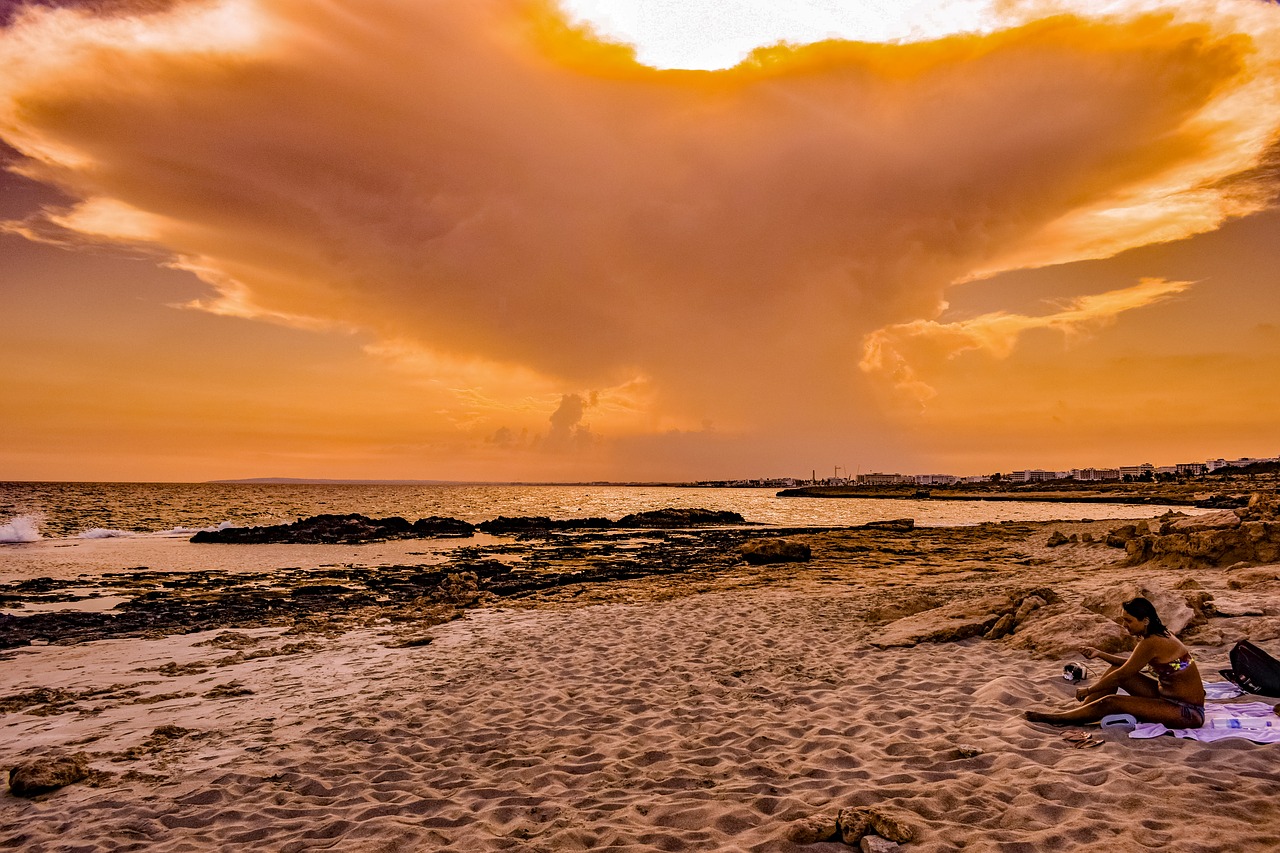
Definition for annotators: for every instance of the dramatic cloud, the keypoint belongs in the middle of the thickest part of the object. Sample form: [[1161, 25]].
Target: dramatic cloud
[[997, 334], [524, 214]]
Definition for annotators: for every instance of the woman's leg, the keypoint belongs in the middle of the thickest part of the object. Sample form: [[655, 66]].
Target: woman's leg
[[1135, 685], [1143, 708]]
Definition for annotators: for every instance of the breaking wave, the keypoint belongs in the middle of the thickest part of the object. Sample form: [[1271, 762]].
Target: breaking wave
[[23, 528], [104, 533]]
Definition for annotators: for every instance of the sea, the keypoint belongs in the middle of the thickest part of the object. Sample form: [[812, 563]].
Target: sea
[[31, 512], [76, 530]]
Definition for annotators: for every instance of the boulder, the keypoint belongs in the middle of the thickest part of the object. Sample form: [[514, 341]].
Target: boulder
[[1056, 538], [1059, 631], [960, 620], [48, 773], [813, 829], [1004, 627], [1171, 605], [858, 823], [461, 588], [760, 551], [1029, 605], [854, 823]]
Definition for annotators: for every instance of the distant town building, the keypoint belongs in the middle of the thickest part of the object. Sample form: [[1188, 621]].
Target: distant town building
[[1095, 475], [877, 479], [1135, 471], [936, 479], [1035, 476], [1191, 469], [1215, 464]]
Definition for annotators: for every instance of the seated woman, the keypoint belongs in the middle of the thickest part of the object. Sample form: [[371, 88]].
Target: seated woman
[[1174, 697]]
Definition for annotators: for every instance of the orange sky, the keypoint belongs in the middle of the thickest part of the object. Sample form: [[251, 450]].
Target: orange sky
[[471, 240]]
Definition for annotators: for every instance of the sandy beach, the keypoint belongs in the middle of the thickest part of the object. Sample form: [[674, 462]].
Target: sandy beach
[[672, 713]]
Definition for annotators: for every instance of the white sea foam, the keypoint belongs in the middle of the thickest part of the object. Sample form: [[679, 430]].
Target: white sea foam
[[22, 528], [104, 533], [191, 531]]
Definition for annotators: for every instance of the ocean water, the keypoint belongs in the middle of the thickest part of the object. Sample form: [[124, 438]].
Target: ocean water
[[34, 512]]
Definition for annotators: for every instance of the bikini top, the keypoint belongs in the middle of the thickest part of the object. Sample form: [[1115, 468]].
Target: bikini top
[[1165, 671]]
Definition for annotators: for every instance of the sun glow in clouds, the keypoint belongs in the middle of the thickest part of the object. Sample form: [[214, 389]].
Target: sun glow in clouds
[[714, 34]]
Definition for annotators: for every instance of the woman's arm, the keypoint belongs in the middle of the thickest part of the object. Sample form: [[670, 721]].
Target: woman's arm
[[1131, 666], [1092, 653]]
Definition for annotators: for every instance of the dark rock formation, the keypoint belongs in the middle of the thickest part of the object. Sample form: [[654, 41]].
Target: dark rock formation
[[540, 523], [1057, 538], [671, 517], [348, 529], [760, 551], [49, 773]]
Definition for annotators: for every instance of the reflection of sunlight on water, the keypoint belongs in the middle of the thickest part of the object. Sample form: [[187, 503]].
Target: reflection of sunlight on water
[[99, 604]]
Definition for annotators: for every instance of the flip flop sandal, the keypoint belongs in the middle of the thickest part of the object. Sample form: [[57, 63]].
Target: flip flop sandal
[[1077, 736], [1087, 744]]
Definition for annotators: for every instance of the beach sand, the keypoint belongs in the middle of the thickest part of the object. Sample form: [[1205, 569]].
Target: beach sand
[[657, 714]]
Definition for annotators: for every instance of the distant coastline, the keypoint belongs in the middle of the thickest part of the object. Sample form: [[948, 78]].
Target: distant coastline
[[1127, 494]]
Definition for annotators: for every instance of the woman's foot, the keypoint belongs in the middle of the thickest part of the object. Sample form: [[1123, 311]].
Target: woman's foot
[[1041, 717]]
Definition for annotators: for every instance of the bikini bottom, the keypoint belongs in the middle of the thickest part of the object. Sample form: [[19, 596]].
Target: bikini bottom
[[1192, 714]]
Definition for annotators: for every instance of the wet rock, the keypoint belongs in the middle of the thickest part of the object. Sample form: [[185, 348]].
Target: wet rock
[[503, 525], [900, 524], [1057, 538], [761, 551], [679, 518], [47, 773], [462, 588], [812, 830], [329, 529]]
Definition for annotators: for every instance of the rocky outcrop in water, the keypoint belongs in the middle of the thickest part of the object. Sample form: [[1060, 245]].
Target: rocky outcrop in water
[[668, 518], [350, 529], [354, 529]]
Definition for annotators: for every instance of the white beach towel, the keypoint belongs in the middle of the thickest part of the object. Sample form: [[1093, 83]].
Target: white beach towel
[[1221, 690], [1255, 721]]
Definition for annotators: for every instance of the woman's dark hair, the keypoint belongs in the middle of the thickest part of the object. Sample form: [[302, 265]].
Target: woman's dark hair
[[1140, 608]]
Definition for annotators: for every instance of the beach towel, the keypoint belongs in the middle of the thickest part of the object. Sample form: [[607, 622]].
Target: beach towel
[[1255, 721]]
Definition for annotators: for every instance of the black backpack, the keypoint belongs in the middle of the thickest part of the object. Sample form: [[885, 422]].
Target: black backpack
[[1253, 670]]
